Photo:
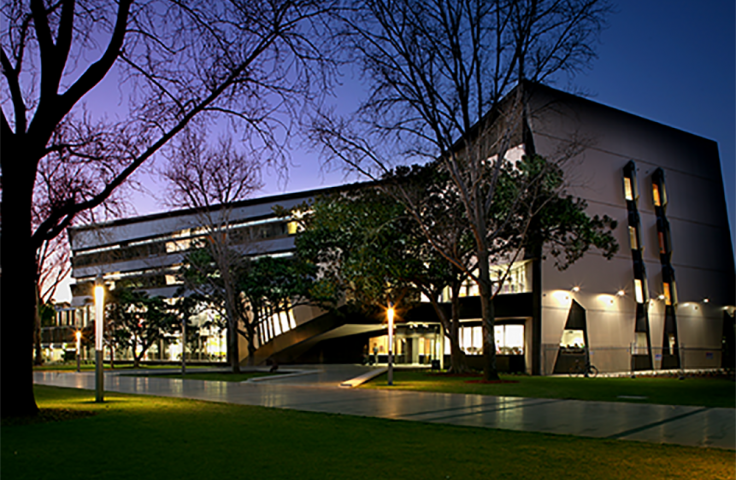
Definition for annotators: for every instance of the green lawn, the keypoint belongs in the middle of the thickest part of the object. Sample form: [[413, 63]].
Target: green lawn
[[72, 367], [212, 376], [708, 392], [144, 437]]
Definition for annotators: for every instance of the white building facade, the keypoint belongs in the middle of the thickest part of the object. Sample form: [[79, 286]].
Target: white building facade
[[665, 301]]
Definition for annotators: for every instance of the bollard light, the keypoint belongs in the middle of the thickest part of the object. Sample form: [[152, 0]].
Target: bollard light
[[390, 315], [78, 335], [99, 332]]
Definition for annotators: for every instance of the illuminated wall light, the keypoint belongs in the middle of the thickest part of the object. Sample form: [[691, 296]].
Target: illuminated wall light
[[561, 295], [660, 296], [706, 300], [608, 299], [620, 293], [576, 289]]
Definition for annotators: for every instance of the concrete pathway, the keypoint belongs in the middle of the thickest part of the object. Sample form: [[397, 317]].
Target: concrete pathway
[[316, 389]]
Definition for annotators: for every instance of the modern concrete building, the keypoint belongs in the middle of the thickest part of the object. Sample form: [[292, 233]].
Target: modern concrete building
[[666, 300]]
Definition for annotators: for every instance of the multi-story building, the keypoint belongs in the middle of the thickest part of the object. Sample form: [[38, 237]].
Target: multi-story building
[[666, 299]]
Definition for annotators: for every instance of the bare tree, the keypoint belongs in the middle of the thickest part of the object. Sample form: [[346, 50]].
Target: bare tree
[[178, 60], [59, 179], [451, 80], [209, 181]]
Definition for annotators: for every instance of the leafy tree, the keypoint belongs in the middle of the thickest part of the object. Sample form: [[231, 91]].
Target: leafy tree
[[137, 321], [271, 286], [185, 307], [261, 287], [366, 243]]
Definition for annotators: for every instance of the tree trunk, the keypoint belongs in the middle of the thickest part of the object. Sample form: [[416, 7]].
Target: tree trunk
[[490, 370], [38, 355], [233, 349], [17, 284], [233, 352], [250, 331], [459, 359]]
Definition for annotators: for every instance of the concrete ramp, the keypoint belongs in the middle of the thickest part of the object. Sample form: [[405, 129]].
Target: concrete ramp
[[288, 347]]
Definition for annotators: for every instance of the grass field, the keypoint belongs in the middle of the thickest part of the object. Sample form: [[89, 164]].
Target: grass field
[[211, 376], [71, 367], [708, 392], [145, 437]]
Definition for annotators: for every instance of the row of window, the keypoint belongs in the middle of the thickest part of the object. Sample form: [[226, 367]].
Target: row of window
[[183, 241], [631, 192]]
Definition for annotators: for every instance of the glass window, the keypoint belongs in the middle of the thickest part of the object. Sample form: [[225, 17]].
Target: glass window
[[509, 339], [628, 190], [655, 195], [638, 291], [667, 294], [573, 341], [632, 238]]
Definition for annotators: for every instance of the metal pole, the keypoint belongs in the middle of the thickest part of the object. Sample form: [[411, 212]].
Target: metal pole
[[79, 338], [390, 344], [183, 347], [99, 332]]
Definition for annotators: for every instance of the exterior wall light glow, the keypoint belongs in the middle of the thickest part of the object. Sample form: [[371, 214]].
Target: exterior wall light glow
[[660, 296], [561, 295], [620, 293], [608, 299], [576, 289], [706, 300]]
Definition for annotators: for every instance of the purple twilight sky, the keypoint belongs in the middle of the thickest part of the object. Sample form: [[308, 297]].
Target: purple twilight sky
[[670, 61]]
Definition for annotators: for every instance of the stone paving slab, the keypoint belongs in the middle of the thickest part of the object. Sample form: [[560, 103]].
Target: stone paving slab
[[682, 425]]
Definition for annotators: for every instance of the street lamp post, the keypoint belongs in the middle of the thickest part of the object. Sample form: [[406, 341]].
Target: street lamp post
[[390, 314], [184, 346], [99, 332], [79, 340]]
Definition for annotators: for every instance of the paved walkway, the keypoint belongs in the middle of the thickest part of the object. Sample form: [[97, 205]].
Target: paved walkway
[[316, 389]]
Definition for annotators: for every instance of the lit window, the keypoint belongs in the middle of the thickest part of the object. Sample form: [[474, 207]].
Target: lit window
[[632, 238], [638, 291], [667, 295], [628, 189], [655, 194], [509, 339], [471, 340], [292, 228], [573, 341]]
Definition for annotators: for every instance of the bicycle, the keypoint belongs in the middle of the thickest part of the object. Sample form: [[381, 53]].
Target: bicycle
[[579, 369]]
